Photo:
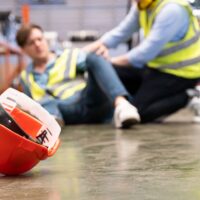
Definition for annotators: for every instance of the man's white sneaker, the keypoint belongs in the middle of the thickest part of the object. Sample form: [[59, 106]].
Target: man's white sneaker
[[194, 103], [125, 115]]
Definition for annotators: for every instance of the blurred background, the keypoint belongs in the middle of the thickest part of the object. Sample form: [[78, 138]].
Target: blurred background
[[63, 16]]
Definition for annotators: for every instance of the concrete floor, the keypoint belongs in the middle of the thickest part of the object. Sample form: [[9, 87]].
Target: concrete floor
[[148, 162]]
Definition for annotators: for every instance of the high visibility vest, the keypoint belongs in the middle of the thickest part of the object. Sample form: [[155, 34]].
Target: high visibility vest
[[180, 58], [62, 81]]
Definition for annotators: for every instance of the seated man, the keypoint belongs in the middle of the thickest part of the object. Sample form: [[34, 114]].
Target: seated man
[[165, 63], [56, 82]]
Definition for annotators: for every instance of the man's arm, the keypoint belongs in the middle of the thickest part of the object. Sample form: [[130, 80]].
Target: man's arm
[[120, 34], [124, 30], [171, 24]]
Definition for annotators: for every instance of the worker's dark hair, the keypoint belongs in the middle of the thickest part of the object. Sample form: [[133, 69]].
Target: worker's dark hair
[[24, 32]]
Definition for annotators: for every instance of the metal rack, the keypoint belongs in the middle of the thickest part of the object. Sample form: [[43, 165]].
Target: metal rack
[[8, 51]]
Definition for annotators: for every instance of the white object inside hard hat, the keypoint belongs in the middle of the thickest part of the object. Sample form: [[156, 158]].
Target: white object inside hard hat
[[50, 130]]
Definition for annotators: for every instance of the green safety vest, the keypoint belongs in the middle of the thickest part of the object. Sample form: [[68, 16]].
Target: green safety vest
[[62, 82], [180, 58]]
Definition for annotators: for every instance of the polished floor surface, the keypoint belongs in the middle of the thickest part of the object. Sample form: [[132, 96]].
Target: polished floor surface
[[147, 162]]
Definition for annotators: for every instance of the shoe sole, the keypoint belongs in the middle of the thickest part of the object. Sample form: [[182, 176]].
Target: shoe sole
[[128, 123]]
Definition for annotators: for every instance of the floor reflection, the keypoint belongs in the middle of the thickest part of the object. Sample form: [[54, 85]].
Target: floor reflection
[[98, 162]]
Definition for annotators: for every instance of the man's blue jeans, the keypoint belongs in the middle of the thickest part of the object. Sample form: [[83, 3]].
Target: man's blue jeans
[[95, 103]]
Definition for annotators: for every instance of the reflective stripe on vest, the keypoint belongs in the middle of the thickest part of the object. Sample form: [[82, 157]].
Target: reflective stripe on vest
[[181, 58], [62, 82]]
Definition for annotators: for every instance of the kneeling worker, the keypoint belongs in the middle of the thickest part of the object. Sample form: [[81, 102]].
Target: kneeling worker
[[166, 62]]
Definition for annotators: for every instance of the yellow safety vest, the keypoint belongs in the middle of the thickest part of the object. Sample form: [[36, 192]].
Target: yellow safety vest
[[62, 82], [180, 58]]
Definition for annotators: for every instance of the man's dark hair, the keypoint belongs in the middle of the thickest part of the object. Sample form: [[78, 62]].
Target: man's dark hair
[[24, 32]]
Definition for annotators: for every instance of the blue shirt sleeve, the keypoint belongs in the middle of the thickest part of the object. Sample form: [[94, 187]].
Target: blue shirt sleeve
[[124, 31], [81, 61], [171, 24]]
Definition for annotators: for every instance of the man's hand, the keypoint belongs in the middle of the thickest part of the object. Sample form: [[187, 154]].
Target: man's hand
[[99, 48], [120, 61]]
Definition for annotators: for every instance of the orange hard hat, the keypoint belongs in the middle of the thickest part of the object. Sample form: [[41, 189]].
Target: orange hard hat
[[24, 140]]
